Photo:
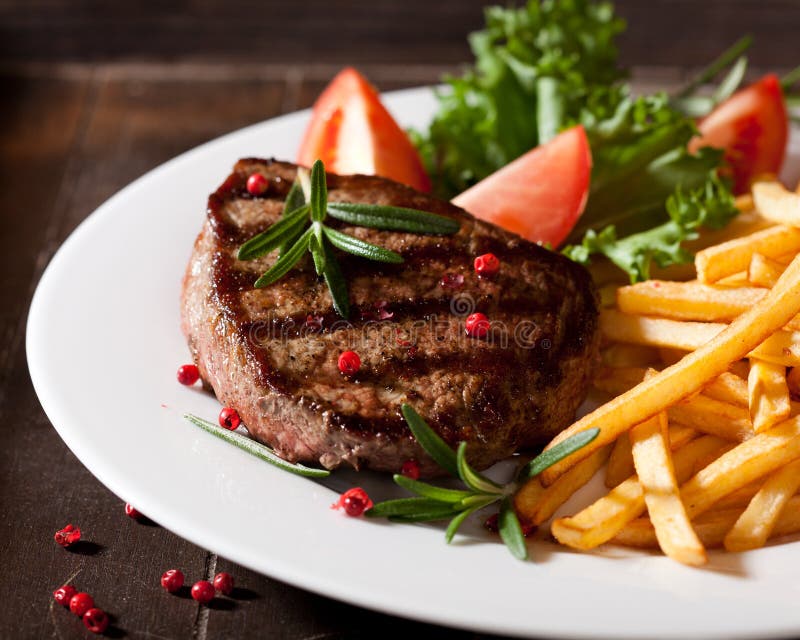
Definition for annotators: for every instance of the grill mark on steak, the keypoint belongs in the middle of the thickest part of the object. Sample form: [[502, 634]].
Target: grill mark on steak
[[286, 385], [421, 309]]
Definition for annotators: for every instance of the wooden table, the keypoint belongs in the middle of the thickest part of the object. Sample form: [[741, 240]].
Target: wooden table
[[72, 134]]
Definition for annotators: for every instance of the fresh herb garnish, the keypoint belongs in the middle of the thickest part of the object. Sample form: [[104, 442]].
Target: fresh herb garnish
[[255, 448], [710, 205], [301, 229], [546, 66], [438, 503]]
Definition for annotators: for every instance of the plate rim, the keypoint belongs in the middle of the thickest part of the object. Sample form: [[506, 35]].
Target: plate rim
[[280, 569]]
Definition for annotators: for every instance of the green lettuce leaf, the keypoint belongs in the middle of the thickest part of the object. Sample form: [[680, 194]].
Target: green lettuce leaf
[[535, 67], [710, 205], [552, 64]]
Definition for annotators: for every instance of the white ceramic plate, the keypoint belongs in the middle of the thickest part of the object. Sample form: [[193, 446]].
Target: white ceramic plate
[[103, 345]]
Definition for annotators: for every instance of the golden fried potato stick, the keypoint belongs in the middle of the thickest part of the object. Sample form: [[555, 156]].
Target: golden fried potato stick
[[621, 468], [700, 411], [740, 498], [763, 271], [754, 526], [776, 203], [728, 387], [769, 394], [711, 527], [716, 418], [656, 473], [670, 356], [746, 462], [620, 462], [628, 355], [783, 347], [689, 375], [537, 504], [601, 521], [687, 300], [722, 260]]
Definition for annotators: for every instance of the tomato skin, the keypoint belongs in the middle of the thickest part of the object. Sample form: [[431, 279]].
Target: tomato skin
[[541, 194], [752, 127], [352, 132]]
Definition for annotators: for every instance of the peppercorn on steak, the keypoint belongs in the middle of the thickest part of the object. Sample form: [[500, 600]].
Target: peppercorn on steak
[[273, 353]]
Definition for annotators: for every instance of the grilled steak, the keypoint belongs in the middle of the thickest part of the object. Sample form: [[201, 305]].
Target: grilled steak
[[272, 353]]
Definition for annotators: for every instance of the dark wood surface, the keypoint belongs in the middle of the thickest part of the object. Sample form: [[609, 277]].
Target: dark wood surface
[[91, 97], [663, 32]]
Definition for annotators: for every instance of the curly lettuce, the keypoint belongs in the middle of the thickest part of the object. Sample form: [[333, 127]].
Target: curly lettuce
[[552, 64]]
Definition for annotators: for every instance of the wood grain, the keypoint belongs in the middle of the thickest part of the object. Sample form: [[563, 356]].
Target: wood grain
[[93, 94], [662, 32], [68, 143]]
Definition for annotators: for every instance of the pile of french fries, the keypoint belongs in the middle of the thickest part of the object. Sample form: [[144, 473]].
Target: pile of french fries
[[700, 443]]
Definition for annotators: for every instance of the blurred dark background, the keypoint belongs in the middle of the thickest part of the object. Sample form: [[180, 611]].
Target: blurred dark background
[[662, 32]]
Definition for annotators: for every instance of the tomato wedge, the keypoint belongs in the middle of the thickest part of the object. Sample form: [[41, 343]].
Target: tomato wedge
[[352, 132], [752, 127], [541, 194]]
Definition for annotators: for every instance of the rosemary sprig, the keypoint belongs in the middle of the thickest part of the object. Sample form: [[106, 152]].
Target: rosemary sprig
[[301, 228], [255, 448], [438, 503]]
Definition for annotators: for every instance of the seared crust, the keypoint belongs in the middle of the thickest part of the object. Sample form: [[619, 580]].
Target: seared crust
[[272, 353]]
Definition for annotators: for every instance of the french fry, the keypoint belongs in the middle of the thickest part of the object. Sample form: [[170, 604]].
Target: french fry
[[687, 300], [781, 348], [706, 414], [629, 355], [753, 528], [763, 271], [745, 224], [711, 527], [689, 375], [711, 416], [728, 258], [727, 380], [601, 521], [769, 394], [537, 504], [740, 498], [728, 388], [618, 380], [776, 203], [620, 463], [702, 462], [701, 411], [670, 356], [736, 281], [748, 461], [680, 435], [654, 468]]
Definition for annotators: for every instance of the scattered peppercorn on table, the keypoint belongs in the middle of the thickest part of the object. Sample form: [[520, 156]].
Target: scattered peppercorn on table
[[73, 135]]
